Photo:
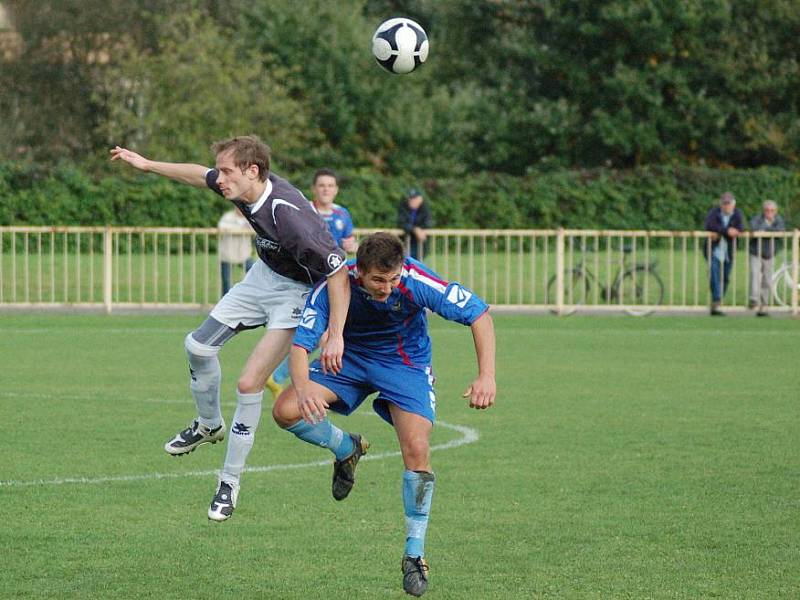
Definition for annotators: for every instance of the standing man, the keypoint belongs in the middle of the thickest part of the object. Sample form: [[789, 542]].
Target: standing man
[[726, 223], [295, 250], [235, 247], [762, 255], [388, 352], [324, 189], [413, 217]]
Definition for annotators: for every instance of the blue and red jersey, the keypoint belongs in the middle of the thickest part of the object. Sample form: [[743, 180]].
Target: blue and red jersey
[[339, 223], [396, 329]]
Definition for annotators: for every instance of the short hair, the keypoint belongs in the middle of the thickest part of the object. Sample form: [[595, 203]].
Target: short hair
[[770, 204], [381, 250], [727, 198], [323, 172], [247, 150]]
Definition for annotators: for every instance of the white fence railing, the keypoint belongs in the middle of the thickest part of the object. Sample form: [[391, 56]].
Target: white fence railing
[[561, 270]]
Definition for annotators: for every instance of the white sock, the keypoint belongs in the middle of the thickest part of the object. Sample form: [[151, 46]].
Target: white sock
[[240, 438]]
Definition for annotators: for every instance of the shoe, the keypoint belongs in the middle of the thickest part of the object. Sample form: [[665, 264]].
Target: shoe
[[193, 436], [415, 575], [223, 502], [751, 305], [715, 311], [274, 387], [762, 313], [344, 471]]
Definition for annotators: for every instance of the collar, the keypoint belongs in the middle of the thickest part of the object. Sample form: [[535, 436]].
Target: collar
[[262, 198]]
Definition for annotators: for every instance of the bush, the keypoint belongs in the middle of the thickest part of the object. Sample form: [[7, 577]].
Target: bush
[[647, 198]]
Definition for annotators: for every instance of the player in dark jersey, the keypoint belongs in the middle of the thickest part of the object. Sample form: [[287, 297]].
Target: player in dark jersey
[[387, 351], [295, 250], [324, 189]]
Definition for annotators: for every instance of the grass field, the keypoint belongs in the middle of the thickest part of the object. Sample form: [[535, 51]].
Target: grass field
[[626, 458]]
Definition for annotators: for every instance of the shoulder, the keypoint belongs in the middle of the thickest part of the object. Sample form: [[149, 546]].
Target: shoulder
[[338, 209], [283, 190], [417, 274]]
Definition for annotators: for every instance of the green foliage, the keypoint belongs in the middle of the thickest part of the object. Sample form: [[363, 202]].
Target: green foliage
[[647, 198]]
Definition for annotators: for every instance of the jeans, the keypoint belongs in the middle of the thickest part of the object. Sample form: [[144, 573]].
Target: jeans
[[719, 278]]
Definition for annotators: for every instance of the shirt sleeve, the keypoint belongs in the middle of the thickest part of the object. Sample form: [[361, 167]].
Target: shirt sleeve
[[211, 180], [306, 237], [450, 300], [314, 320]]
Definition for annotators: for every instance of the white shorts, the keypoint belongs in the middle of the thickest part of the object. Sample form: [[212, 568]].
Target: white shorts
[[262, 298]]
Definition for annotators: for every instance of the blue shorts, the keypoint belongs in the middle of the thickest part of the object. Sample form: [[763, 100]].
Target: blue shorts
[[409, 388]]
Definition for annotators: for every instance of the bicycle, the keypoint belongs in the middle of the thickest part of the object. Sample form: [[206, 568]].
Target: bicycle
[[782, 284], [638, 288]]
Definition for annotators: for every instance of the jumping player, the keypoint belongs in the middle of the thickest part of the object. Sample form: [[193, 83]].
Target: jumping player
[[388, 351], [295, 250], [324, 189]]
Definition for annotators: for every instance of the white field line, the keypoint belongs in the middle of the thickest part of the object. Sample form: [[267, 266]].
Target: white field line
[[468, 436]]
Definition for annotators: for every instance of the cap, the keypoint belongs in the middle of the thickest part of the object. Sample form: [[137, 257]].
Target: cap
[[412, 193], [727, 198]]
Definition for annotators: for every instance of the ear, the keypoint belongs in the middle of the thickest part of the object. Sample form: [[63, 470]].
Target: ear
[[252, 172]]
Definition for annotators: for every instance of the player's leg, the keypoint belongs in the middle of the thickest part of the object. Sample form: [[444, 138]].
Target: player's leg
[[343, 393], [269, 351], [202, 346], [413, 433]]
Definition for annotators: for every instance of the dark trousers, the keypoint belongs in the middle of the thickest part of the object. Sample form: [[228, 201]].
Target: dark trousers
[[719, 278], [225, 272]]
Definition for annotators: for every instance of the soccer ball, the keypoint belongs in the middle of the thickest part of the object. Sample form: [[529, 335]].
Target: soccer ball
[[400, 45]]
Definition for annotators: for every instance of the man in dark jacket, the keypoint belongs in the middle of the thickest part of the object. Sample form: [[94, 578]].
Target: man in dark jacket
[[762, 254], [725, 222], [413, 217]]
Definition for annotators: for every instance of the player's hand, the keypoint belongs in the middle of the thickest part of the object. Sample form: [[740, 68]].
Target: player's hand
[[312, 408], [135, 160], [733, 232], [331, 354], [481, 392]]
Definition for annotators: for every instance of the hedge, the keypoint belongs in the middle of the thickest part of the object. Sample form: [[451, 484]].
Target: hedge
[[647, 198]]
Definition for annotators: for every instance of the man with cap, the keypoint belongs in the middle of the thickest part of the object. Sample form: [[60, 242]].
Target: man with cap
[[413, 217], [725, 222]]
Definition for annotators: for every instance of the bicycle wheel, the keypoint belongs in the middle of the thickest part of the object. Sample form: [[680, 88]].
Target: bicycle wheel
[[641, 291], [782, 286], [576, 288]]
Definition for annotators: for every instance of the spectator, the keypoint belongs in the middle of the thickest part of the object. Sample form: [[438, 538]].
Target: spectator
[[413, 217], [324, 189], [762, 253], [725, 222], [235, 246]]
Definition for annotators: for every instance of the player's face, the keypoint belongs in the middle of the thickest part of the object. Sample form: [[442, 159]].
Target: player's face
[[324, 190], [379, 284], [234, 182]]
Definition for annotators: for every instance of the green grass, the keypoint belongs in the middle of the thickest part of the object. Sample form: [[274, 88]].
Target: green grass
[[626, 458]]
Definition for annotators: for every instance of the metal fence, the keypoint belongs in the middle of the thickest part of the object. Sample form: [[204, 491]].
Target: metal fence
[[558, 270]]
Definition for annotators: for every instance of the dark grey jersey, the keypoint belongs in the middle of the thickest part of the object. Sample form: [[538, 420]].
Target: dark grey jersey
[[291, 238]]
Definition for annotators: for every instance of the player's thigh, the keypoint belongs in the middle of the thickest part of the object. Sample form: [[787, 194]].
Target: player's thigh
[[414, 434], [243, 305], [271, 349]]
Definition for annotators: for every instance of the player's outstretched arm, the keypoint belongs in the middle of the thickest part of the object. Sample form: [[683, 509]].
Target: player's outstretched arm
[[184, 172], [481, 392]]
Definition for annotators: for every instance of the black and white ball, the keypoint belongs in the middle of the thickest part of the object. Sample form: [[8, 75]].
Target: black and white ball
[[400, 45]]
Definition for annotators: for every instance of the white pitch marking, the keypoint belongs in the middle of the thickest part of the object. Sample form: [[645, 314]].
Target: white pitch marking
[[469, 435]]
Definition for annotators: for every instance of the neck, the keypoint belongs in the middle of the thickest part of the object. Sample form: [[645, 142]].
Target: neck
[[324, 209], [252, 195]]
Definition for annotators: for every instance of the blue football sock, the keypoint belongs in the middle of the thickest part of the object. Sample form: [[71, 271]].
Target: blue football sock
[[417, 494], [281, 374], [325, 435]]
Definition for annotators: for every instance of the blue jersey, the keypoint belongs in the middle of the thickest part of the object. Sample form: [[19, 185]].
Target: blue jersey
[[339, 222], [395, 330]]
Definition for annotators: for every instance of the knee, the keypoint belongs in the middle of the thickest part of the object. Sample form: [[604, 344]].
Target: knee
[[284, 411], [416, 455], [249, 384], [197, 349]]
